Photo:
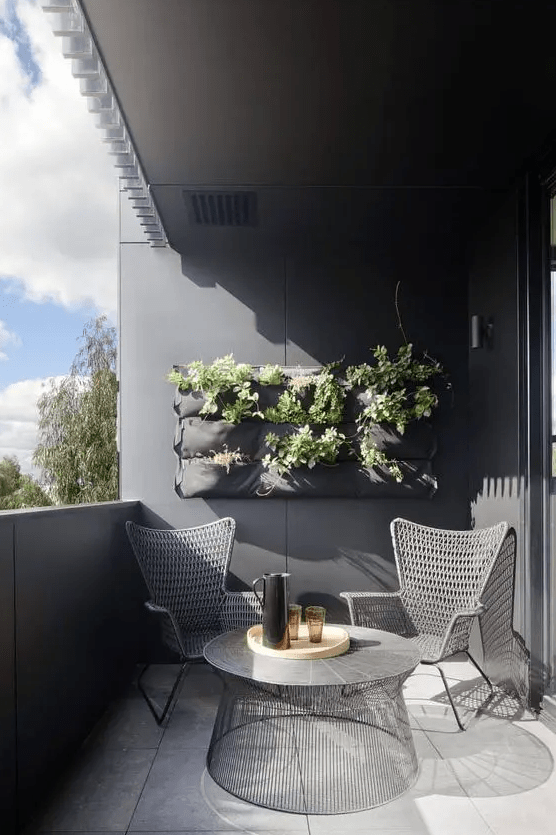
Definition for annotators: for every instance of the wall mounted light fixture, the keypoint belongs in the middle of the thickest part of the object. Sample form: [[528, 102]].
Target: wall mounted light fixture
[[481, 331]]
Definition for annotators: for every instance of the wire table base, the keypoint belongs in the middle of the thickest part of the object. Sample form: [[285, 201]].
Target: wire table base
[[313, 749]]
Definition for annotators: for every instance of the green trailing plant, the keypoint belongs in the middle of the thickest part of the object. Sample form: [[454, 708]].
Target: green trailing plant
[[396, 395], [271, 375], [288, 409], [389, 374], [218, 378], [372, 457], [328, 399], [244, 406], [303, 448], [177, 379]]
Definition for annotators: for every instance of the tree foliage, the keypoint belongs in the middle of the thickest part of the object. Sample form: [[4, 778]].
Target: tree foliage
[[77, 423], [19, 490]]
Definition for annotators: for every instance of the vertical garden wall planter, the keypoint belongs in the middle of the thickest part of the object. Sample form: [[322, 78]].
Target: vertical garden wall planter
[[220, 459]]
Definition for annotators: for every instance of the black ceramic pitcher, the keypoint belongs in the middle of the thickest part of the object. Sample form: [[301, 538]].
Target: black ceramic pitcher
[[274, 603]]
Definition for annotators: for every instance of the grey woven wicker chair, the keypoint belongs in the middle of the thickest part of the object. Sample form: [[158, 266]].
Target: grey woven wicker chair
[[185, 572], [442, 576]]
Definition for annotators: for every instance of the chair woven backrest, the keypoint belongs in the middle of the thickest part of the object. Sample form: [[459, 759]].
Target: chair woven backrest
[[442, 572], [185, 570]]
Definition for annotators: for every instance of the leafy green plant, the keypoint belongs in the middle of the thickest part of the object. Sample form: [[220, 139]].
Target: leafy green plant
[[244, 406], [328, 399], [271, 375], [371, 457], [288, 409], [388, 407], [301, 448], [176, 377], [388, 374], [396, 395], [215, 379]]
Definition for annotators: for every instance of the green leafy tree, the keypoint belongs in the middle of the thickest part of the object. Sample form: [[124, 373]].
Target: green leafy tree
[[77, 423], [19, 490]]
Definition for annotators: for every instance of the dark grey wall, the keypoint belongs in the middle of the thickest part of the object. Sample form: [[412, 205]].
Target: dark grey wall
[[72, 611], [304, 298], [499, 440], [495, 489]]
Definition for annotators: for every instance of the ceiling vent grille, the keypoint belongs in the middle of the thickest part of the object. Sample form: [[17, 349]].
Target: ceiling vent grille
[[216, 208]]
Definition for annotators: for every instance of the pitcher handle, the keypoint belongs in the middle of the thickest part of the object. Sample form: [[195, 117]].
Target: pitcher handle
[[261, 601]]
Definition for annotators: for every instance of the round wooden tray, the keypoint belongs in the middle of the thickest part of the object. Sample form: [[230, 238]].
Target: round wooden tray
[[335, 641]]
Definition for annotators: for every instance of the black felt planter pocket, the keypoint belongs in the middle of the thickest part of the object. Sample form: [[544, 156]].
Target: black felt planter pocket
[[203, 437], [199, 477]]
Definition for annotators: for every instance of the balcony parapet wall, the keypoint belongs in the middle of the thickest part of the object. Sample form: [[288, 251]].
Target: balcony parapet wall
[[72, 628]]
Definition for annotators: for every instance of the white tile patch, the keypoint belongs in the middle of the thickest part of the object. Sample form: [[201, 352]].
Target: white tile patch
[[451, 816]]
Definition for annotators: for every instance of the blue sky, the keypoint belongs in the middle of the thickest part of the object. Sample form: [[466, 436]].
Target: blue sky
[[47, 334], [12, 27], [58, 237]]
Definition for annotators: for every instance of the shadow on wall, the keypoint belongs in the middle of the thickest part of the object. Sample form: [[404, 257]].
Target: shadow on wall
[[493, 425], [320, 271], [254, 278]]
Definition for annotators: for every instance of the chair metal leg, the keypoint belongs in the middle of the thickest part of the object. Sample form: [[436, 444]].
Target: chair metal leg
[[482, 672], [160, 717], [458, 720]]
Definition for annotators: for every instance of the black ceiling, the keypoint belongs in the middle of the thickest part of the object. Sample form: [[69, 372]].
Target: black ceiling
[[299, 93]]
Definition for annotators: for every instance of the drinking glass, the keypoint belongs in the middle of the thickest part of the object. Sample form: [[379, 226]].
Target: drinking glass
[[314, 615], [294, 619]]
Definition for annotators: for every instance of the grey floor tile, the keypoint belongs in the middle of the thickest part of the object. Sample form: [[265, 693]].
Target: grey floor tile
[[172, 798], [101, 792], [495, 759], [200, 679], [443, 815], [249, 817], [128, 723], [190, 725], [534, 812], [398, 815], [357, 829]]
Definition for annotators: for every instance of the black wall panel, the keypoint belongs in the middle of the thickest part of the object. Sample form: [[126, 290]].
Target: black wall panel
[[80, 629]]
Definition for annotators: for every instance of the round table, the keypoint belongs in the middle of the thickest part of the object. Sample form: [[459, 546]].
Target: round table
[[326, 736]]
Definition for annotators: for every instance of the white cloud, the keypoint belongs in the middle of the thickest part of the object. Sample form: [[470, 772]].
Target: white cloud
[[59, 188], [18, 420], [5, 337]]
